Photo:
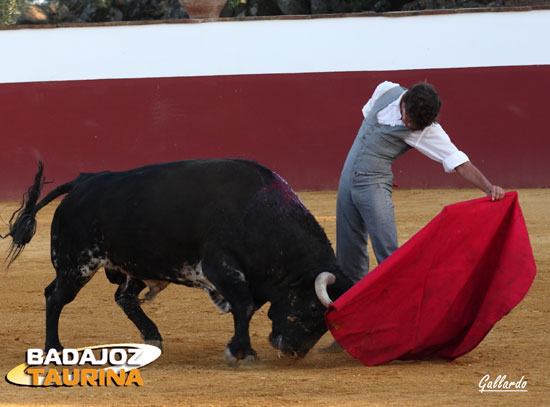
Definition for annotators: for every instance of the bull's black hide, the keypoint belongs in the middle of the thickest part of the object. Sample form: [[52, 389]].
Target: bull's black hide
[[231, 227]]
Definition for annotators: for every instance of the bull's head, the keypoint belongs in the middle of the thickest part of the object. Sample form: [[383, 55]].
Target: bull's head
[[298, 318]]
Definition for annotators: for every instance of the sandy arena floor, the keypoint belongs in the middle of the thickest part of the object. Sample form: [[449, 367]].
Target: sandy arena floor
[[192, 372]]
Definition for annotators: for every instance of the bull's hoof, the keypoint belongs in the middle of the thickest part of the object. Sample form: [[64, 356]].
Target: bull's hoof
[[157, 343], [250, 360], [232, 361]]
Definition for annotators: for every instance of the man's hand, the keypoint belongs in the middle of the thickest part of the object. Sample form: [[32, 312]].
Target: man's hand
[[495, 192]]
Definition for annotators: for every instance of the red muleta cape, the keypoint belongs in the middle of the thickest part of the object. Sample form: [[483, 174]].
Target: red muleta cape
[[441, 292]]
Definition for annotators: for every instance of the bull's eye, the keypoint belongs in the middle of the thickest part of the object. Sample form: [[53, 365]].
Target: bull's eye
[[314, 307]]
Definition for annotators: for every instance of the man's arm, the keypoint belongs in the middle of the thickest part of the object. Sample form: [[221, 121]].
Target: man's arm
[[475, 177]]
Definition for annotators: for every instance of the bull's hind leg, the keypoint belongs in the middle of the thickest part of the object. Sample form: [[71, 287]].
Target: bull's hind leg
[[61, 291], [126, 297], [225, 274]]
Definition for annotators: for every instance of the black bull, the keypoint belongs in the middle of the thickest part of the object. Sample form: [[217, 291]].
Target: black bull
[[231, 227]]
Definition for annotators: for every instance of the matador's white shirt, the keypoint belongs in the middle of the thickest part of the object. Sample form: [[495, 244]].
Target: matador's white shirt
[[433, 141]]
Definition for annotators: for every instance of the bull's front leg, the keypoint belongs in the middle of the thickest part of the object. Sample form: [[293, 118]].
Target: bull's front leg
[[227, 278], [239, 350]]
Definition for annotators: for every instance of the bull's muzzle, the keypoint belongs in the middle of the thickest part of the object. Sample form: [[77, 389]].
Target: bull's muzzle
[[278, 343]]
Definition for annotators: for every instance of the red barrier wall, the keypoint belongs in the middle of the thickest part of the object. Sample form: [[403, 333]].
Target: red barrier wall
[[301, 125]]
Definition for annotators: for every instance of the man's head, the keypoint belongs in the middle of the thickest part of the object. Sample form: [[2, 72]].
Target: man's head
[[420, 106]]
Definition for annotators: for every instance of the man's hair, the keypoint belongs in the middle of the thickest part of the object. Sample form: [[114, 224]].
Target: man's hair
[[422, 104]]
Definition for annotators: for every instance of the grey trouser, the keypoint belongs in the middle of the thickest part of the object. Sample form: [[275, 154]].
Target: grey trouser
[[363, 209]]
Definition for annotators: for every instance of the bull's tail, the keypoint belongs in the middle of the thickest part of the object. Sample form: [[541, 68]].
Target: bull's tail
[[23, 221]]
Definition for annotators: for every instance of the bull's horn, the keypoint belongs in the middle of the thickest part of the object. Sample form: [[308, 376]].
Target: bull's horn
[[321, 282]]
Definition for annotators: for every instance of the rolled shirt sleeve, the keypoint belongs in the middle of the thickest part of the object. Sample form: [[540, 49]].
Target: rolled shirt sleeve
[[454, 160], [434, 143]]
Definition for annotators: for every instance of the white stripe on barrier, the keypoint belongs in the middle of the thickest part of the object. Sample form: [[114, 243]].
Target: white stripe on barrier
[[334, 44]]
